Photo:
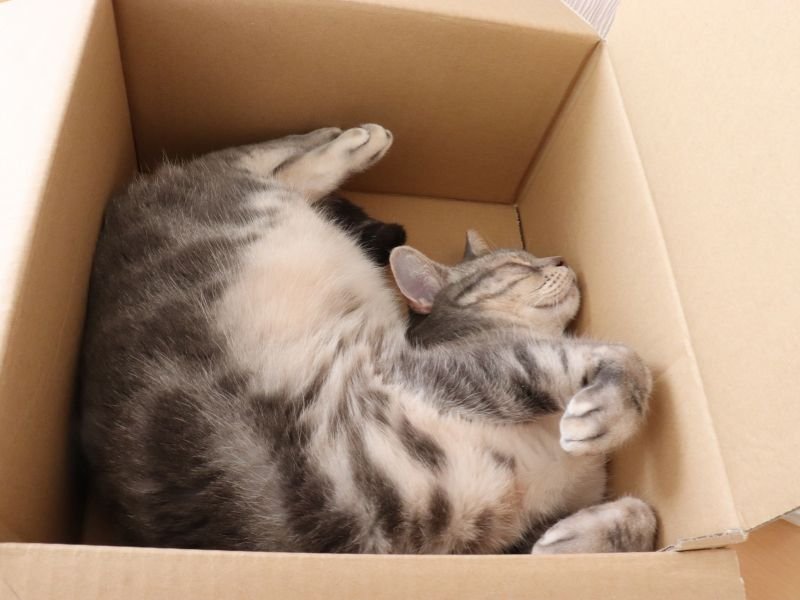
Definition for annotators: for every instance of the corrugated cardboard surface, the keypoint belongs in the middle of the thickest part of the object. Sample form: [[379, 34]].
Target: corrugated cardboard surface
[[589, 201], [467, 100], [68, 144], [712, 91], [85, 572]]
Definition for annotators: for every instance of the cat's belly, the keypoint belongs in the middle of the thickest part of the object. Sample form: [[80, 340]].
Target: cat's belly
[[552, 481], [512, 476], [301, 292], [547, 480]]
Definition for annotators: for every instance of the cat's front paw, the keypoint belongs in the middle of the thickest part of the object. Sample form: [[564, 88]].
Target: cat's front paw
[[597, 421], [604, 415], [625, 525]]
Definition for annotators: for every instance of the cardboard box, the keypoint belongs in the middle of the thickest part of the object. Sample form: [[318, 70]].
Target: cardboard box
[[661, 163]]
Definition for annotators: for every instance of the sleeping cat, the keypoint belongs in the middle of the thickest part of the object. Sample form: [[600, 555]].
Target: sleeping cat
[[246, 381]]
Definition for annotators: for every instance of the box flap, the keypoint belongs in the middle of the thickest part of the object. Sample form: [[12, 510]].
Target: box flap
[[65, 143], [550, 15], [90, 572], [712, 91], [467, 124]]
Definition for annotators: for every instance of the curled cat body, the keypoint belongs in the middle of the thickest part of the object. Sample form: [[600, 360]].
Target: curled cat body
[[247, 383]]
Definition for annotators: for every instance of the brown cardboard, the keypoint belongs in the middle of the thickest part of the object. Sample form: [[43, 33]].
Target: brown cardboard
[[364, 64], [589, 201], [72, 147], [500, 109], [713, 108], [38, 572]]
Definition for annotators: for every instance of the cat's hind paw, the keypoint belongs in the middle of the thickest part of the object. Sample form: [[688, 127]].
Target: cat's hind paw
[[323, 169], [360, 147], [625, 525]]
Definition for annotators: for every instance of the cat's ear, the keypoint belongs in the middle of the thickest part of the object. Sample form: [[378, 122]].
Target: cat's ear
[[476, 245], [419, 278]]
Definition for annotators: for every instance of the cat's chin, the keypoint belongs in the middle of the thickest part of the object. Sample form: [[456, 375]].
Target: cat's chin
[[566, 300], [565, 309]]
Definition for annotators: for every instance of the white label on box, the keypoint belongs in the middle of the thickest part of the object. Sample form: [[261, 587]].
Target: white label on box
[[598, 13]]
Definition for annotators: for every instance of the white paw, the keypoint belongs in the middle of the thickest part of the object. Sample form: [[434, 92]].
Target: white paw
[[350, 140], [325, 167], [315, 138], [597, 420], [360, 147], [625, 525]]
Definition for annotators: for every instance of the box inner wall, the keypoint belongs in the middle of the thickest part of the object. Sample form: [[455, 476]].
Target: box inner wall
[[486, 164]]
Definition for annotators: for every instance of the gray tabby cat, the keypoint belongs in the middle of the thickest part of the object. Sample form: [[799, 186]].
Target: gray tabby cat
[[246, 381]]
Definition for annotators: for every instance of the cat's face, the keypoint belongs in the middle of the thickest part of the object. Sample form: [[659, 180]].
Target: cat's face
[[515, 286], [489, 288]]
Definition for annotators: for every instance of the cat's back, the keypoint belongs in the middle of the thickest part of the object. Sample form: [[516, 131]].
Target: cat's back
[[167, 248], [211, 288], [155, 372]]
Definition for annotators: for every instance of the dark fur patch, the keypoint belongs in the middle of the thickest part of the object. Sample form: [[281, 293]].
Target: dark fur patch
[[444, 324], [311, 393], [319, 525], [186, 495], [562, 354], [421, 446], [378, 490], [416, 535], [376, 403], [527, 385], [499, 272], [505, 461], [179, 329], [497, 293], [376, 238], [439, 511], [472, 283], [608, 374], [232, 383], [482, 527], [526, 541], [619, 538]]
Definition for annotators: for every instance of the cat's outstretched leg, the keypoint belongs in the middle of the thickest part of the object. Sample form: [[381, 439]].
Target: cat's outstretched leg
[[322, 169], [625, 525], [316, 163], [262, 159], [603, 389]]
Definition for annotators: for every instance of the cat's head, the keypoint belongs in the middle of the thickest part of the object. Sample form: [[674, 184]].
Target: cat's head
[[489, 289]]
